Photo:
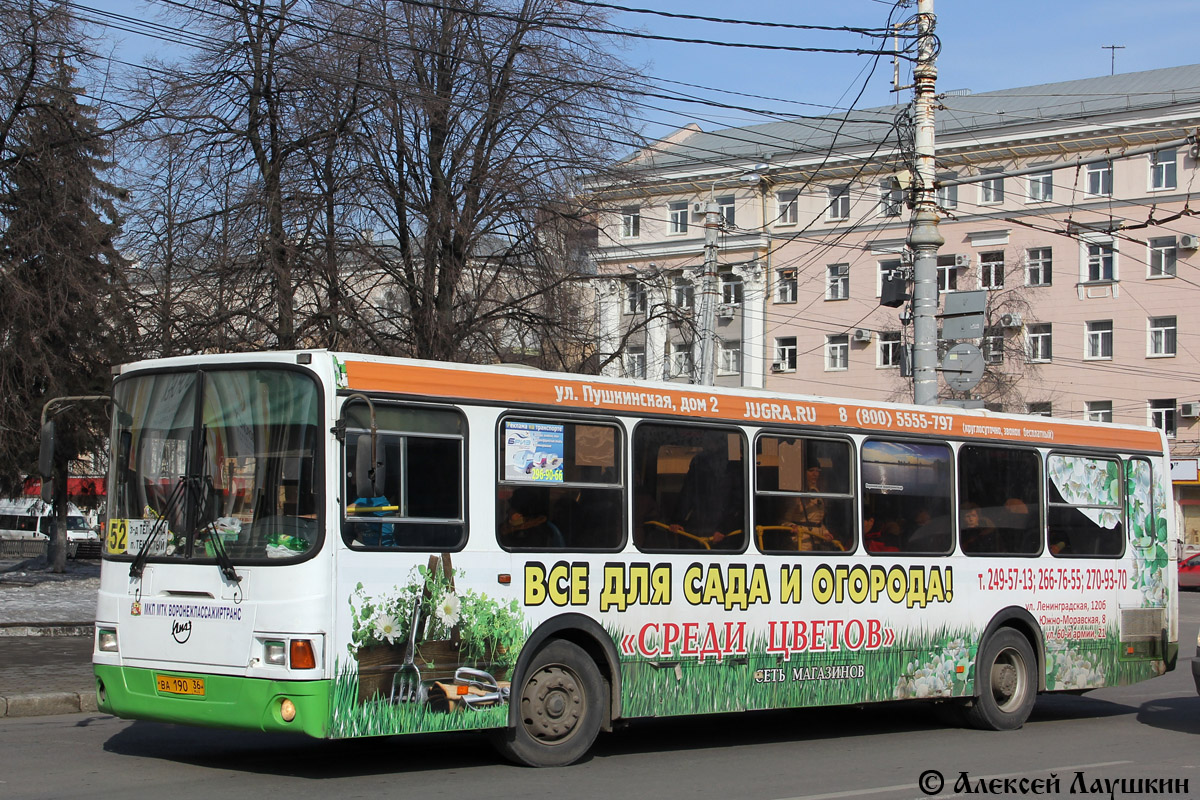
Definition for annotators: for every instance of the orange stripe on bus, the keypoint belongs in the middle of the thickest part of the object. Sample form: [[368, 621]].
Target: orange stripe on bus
[[562, 392]]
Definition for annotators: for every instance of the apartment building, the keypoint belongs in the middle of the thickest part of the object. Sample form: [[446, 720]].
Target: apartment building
[[1068, 203]]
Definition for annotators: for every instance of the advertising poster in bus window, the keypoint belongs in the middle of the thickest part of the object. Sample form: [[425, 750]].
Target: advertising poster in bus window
[[533, 451]]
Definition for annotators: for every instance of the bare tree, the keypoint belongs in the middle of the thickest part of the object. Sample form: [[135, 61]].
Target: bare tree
[[259, 108], [481, 116]]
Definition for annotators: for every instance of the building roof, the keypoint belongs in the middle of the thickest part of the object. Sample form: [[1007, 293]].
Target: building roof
[[1062, 102]]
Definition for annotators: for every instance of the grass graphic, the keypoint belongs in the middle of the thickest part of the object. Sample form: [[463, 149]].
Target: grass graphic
[[378, 717]]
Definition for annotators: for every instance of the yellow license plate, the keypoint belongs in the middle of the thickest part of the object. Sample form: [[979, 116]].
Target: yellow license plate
[[173, 684]]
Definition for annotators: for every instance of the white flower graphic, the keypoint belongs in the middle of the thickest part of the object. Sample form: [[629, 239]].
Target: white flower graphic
[[386, 627], [447, 610]]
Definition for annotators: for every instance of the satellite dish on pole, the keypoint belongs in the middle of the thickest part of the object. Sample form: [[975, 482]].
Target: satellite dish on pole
[[963, 367]]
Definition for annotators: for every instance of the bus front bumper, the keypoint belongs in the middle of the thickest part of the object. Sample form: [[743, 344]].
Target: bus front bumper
[[254, 704]]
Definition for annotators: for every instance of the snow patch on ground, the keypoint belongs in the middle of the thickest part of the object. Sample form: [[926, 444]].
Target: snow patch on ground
[[31, 593]]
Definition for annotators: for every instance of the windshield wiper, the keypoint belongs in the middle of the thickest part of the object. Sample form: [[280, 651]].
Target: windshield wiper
[[138, 564], [214, 535]]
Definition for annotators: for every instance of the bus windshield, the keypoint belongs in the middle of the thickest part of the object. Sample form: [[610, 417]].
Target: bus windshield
[[214, 461]]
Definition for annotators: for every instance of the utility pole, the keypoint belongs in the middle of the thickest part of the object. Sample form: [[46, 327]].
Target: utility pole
[[707, 323], [924, 238]]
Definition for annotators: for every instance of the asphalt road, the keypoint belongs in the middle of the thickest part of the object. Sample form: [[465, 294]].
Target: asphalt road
[[1141, 731]]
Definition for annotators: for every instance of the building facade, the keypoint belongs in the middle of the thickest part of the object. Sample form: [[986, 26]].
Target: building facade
[[1069, 204]]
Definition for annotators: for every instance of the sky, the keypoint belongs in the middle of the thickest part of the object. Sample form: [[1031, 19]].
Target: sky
[[985, 46]]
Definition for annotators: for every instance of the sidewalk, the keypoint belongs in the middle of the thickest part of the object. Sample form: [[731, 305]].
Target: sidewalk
[[46, 637]]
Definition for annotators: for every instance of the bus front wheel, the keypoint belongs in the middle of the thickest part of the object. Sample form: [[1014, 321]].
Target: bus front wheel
[[560, 701], [1006, 682]]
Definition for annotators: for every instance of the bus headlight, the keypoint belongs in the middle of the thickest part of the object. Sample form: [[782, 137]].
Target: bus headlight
[[275, 652], [287, 710], [106, 640]]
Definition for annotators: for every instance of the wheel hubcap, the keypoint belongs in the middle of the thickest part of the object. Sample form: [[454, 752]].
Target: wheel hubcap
[[552, 704], [1008, 679]]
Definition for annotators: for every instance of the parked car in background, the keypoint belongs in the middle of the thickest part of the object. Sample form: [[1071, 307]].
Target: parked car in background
[[31, 518], [1189, 572]]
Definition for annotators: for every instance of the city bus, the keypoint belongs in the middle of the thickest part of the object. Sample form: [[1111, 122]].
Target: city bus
[[348, 545]]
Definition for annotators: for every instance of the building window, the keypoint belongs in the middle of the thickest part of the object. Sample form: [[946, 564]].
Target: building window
[[891, 198], [785, 285], [635, 362], [729, 359], [1163, 254], [839, 203], [681, 360], [635, 297], [1098, 411], [1099, 339], [1162, 416], [787, 208], [1041, 409], [685, 294], [1040, 339], [1041, 189], [785, 354], [991, 270], [679, 218], [1038, 264], [728, 211], [991, 191], [1101, 263], [993, 346], [731, 290], [1163, 332], [837, 352], [890, 350], [631, 222], [947, 196], [1100, 179], [1162, 170], [885, 269], [947, 274], [837, 282]]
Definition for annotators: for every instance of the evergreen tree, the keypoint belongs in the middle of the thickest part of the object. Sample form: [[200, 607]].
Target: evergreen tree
[[60, 277]]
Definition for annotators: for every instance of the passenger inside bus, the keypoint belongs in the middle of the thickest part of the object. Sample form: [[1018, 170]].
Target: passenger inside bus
[[526, 523], [709, 505], [806, 516], [978, 533], [881, 536]]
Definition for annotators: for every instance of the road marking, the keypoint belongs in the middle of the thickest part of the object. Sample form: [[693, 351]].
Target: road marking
[[910, 786]]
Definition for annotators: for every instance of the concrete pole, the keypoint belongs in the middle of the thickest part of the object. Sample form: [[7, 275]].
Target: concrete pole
[[924, 238], [706, 323]]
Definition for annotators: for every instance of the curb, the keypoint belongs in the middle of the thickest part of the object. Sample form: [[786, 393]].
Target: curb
[[47, 628], [38, 704]]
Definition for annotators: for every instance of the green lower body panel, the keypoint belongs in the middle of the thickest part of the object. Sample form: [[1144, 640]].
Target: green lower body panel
[[228, 702]]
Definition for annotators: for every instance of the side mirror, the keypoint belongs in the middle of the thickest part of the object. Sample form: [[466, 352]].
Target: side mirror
[[46, 453], [368, 472], [47, 490]]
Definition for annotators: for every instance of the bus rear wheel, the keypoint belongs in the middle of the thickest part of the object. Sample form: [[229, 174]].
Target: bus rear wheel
[[560, 708], [1006, 682]]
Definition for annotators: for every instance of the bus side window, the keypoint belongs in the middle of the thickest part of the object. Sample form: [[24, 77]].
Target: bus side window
[[999, 495], [906, 490], [415, 501], [1085, 509], [803, 500], [559, 486], [689, 489]]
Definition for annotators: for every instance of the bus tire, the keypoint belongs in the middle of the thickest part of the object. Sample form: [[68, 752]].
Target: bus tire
[[560, 708], [1005, 682]]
